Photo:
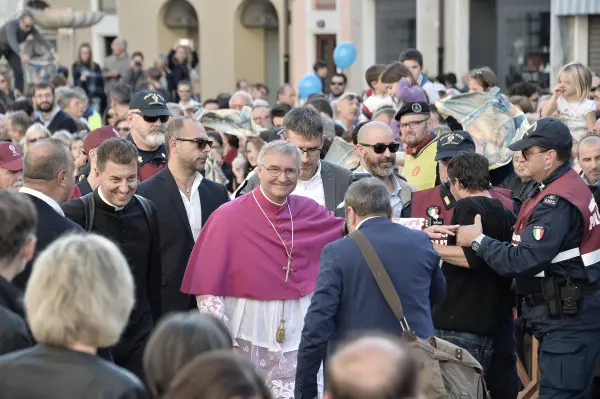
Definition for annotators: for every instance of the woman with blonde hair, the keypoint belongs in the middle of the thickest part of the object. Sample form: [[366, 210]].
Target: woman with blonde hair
[[78, 299], [35, 132]]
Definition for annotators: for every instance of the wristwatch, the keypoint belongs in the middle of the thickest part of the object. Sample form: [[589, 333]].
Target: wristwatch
[[476, 243]]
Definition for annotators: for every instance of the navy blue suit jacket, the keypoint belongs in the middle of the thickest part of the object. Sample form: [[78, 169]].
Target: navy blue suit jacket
[[348, 300], [50, 226]]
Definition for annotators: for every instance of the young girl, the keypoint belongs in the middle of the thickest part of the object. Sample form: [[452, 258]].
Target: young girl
[[570, 101]]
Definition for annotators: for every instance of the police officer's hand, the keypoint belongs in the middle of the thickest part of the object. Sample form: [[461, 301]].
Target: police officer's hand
[[466, 234], [437, 232]]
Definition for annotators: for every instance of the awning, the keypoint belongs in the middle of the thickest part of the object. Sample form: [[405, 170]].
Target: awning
[[575, 7]]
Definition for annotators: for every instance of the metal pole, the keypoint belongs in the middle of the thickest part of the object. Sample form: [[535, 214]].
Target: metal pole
[[441, 27], [286, 42]]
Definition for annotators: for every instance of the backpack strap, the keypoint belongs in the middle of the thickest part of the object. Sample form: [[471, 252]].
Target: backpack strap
[[89, 210], [381, 277], [147, 211]]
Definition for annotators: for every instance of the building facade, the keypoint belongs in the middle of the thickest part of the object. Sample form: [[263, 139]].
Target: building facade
[[273, 41]]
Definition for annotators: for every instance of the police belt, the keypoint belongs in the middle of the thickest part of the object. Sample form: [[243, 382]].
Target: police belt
[[582, 290]]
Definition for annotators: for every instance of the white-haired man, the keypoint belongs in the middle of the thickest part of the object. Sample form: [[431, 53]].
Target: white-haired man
[[239, 100], [259, 272]]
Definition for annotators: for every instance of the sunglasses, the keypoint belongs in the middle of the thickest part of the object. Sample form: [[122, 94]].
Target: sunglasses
[[380, 148], [202, 143], [351, 97], [153, 119]]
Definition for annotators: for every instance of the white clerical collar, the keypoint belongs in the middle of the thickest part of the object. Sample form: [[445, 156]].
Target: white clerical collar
[[364, 220], [117, 208], [585, 179], [268, 199], [40, 195]]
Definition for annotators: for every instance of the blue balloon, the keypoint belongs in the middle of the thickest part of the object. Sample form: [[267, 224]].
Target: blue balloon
[[344, 55], [309, 84]]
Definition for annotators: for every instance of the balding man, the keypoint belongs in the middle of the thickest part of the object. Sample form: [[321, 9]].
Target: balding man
[[347, 299], [239, 100], [184, 200], [286, 95], [117, 63], [377, 149], [588, 154], [48, 178], [374, 367]]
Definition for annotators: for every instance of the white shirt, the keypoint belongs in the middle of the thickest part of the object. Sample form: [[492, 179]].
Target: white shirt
[[312, 188], [573, 115], [103, 198], [193, 208], [43, 197], [364, 220]]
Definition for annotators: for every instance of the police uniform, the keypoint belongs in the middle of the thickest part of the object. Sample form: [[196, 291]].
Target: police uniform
[[420, 168], [435, 204], [151, 104], [555, 258]]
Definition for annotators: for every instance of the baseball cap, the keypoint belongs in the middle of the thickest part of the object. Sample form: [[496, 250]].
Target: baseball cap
[[452, 143], [10, 157], [150, 103], [97, 136], [416, 108], [547, 133]]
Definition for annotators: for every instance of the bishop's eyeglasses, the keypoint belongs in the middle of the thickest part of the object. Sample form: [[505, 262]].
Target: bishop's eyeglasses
[[274, 171]]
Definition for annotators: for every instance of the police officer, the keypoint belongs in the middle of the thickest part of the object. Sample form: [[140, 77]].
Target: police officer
[[555, 260], [435, 204]]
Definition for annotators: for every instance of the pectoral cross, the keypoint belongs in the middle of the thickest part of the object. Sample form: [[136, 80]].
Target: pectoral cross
[[288, 268]]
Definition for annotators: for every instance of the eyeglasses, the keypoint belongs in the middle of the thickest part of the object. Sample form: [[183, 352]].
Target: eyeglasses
[[310, 152], [153, 119], [412, 125], [527, 153], [109, 116], [276, 172], [351, 97], [202, 143], [123, 130], [183, 90], [380, 148]]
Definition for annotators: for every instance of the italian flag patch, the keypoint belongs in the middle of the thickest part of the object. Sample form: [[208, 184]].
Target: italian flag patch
[[538, 232]]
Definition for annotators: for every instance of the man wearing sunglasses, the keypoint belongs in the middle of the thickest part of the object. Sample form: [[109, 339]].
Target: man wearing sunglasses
[[147, 117], [377, 150], [184, 200], [337, 86], [555, 258], [420, 168]]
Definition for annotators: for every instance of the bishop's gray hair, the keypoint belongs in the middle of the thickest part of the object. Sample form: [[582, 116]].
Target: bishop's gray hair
[[282, 147], [369, 197]]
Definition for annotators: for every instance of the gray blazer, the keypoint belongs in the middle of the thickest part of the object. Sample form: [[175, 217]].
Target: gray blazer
[[335, 184]]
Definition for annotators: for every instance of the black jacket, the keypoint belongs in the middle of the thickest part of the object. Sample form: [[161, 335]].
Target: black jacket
[[177, 245], [50, 372], [14, 334], [129, 229], [50, 226], [61, 121]]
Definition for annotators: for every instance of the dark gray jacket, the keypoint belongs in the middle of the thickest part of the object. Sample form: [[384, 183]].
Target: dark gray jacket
[[11, 36], [335, 184]]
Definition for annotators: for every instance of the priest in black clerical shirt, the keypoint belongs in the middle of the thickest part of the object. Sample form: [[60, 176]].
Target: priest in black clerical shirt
[[130, 221]]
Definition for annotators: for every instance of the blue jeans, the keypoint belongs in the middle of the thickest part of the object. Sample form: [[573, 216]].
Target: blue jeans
[[479, 346]]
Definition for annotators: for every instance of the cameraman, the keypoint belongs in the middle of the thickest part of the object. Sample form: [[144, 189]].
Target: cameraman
[[12, 34], [135, 76]]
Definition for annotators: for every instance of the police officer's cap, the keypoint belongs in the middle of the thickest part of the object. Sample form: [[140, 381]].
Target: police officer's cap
[[547, 133], [452, 143], [415, 108]]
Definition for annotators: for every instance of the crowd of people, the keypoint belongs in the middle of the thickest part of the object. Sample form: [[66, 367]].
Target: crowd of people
[[156, 245]]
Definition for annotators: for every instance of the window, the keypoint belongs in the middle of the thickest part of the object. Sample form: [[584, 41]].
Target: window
[[324, 5], [108, 6]]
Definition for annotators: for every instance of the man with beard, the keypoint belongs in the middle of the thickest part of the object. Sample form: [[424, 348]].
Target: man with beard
[[147, 116], [130, 221], [47, 113], [377, 149], [420, 167], [11, 166], [588, 153], [184, 200]]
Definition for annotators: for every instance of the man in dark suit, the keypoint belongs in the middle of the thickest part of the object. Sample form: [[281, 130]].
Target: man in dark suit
[[322, 181], [184, 200], [48, 178], [347, 298]]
